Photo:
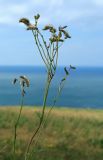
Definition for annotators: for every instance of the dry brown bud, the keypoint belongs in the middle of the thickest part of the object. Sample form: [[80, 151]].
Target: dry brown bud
[[25, 21]]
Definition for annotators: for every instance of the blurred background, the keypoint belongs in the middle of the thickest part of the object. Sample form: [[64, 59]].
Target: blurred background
[[18, 54]]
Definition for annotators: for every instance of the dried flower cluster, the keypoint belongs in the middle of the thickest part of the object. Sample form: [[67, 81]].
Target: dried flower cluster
[[49, 50], [55, 37], [24, 82]]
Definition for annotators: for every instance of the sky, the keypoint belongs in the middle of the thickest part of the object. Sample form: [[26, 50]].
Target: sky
[[84, 19]]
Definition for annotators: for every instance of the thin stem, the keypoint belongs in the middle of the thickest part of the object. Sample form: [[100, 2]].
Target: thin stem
[[60, 88], [52, 55], [39, 49], [44, 42], [57, 53], [16, 125], [45, 46], [54, 102], [42, 49], [41, 119]]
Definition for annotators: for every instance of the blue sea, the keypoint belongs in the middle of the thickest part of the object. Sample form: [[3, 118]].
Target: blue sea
[[83, 88]]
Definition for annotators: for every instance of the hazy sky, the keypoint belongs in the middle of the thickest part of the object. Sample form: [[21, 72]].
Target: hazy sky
[[85, 25]]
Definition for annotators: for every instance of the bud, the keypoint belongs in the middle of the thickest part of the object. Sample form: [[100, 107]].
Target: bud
[[37, 16]]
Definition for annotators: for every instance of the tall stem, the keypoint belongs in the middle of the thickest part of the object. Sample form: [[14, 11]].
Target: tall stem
[[41, 119]]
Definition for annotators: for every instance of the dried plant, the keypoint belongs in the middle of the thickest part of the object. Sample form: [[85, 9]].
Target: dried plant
[[49, 50], [23, 82]]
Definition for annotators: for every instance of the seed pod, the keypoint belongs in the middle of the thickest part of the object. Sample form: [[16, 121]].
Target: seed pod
[[67, 73], [25, 21]]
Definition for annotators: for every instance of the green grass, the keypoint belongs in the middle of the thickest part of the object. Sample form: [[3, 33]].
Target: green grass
[[69, 134]]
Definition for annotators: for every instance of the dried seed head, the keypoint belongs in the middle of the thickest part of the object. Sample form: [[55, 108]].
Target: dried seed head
[[25, 21], [50, 28], [25, 80]]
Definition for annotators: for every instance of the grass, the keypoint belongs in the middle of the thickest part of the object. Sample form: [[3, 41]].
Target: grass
[[69, 134]]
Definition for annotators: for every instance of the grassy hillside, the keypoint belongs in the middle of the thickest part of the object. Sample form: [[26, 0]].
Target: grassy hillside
[[69, 134]]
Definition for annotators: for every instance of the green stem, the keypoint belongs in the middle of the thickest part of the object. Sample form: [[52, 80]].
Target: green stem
[[57, 53], [49, 57], [16, 125], [39, 49], [54, 102], [42, 49], [41, 119]]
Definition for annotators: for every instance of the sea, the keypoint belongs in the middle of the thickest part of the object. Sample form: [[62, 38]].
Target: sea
[[83, 88]]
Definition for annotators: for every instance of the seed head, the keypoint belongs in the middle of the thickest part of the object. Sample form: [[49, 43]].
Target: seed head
[[25, 81], [25, 21], [50, 28]]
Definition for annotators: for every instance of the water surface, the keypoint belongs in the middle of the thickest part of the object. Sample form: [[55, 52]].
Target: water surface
[[84, 87]]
